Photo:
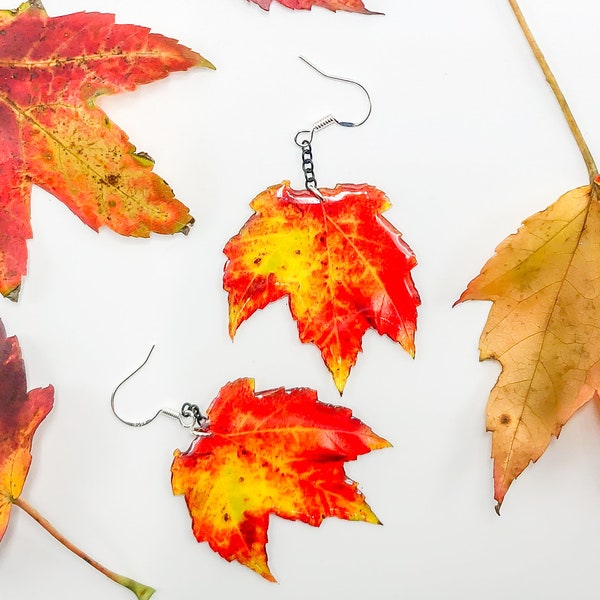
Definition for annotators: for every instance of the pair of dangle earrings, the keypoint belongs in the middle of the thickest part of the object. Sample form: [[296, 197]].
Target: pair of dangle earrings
[[345, 269], [343, 266]]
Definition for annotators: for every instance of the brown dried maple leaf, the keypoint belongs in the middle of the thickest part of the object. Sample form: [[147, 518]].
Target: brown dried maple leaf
[[544, 324]]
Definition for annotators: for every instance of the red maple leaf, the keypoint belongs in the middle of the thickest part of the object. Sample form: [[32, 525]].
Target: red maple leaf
[[276, 452], [344, 267], [21, 412], [53, 135], [335, 5]]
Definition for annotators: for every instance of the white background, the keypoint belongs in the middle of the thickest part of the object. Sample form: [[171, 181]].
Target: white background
[[467, 141]]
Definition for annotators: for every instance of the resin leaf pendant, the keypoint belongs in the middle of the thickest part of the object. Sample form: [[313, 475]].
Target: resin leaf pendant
[[278, 452], [343, 266]]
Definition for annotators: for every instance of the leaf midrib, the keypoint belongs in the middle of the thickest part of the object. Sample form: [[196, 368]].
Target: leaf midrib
[[545, 333], [83, 58], [19, 111]]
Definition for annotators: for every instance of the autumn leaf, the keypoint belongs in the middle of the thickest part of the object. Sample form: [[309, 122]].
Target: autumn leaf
[[544, 324], [52, 134], [344, 267], [335, 5], [280, 452], [544, 327], [21, 412]]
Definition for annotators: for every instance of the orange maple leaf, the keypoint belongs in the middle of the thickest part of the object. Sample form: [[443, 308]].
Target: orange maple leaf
[[53, 135], [20, 414], [344, 267], [334, 5], [279, 451], [544, 328]]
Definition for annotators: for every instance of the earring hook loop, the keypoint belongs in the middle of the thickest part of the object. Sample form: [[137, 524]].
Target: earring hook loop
[[189, 416], [345, 80], [306, 135]]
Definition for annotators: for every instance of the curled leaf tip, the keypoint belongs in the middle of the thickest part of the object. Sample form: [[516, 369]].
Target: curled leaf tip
[[203, 62], [14, 294], [497, 508]]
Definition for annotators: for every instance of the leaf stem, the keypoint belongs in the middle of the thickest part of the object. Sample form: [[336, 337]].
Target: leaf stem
[[581, 143], [143, 592]]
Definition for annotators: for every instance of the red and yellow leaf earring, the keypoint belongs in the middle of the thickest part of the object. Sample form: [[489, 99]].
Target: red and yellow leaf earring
[[260, 453], [342, 265]]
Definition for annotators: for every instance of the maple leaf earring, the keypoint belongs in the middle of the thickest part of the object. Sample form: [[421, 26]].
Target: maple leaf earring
[[343, 266], [259, 453]]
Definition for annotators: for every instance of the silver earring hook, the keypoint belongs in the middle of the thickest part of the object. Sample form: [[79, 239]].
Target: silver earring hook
[[304, 138], [330, 119], [189, 416]]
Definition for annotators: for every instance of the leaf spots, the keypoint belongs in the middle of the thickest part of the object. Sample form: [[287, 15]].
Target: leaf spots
[[269, 453], [544, 282], [113, 179], [52, 70], [322, 256]]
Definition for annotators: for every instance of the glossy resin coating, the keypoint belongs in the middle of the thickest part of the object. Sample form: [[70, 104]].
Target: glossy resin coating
[[344, 267], [277, 452]]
